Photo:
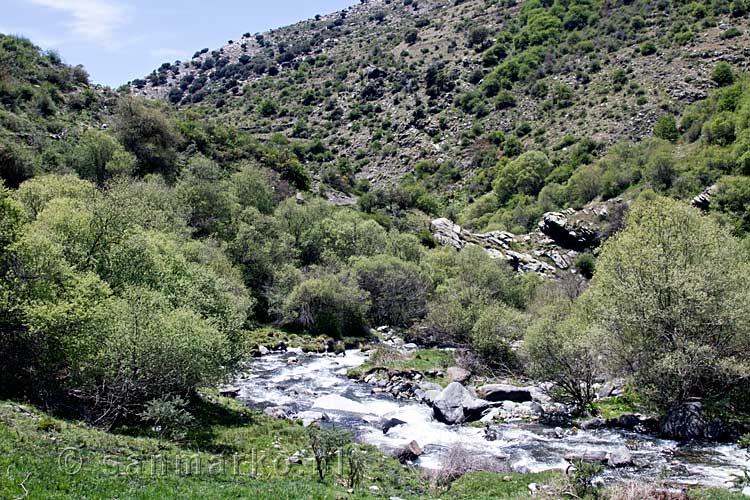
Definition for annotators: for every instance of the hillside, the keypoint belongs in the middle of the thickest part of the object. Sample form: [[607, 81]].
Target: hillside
[[386, 85]]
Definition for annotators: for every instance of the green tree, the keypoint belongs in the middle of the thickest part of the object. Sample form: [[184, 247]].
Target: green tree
[[561, 349], [328, 305], [398, 289], [496, 328], [666, 128], [671, 294], [523, 175], [98, 157]]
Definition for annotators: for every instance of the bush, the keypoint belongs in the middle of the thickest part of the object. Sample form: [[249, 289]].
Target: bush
[[496, 328], [524, 175], [666, 128], [560, 348], [168, 416], [722, 74], [671, 293], [329, 305], [398, 290], [326, 443]]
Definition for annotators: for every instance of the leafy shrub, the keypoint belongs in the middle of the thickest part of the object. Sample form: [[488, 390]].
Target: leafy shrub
[[398, 290], [328, 305], [666, 128], [722, 74], [168, 416], [496, 328], [326, 443]]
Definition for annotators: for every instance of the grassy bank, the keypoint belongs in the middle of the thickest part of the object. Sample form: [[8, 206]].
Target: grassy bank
[[425, 361], [230, 453]]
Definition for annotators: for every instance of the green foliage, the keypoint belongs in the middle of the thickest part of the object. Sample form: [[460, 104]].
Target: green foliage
[[525, 175], [560, 347], [145, 131], [168, 416], [682, 333], [495, 330], [722, 74], [99, 157], [666, 128], [326, 444], [328, 305], [398, 290]]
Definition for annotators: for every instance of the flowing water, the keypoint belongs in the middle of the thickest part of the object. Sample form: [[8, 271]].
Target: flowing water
[[317, 382]]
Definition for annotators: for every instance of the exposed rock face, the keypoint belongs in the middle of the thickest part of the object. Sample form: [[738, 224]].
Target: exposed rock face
[[685, 422], [703, 200], [576, 236], [548, 251], [505, 392], [456, 405]]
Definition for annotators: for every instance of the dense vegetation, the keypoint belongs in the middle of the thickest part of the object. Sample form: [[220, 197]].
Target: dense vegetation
[[146, 250]]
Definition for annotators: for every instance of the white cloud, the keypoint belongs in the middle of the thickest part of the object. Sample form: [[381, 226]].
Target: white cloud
[[95, 20]]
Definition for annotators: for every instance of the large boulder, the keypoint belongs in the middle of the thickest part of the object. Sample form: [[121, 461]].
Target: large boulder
[[390, 424], [458, 374], [456, 405], [505, 392], [684, 422], [566, 234], [409, 453]]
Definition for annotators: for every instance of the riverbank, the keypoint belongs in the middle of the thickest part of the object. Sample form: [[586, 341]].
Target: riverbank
[[45, 457]]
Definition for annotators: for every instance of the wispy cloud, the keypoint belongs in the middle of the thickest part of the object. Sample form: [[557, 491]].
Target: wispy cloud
[[94, 20]]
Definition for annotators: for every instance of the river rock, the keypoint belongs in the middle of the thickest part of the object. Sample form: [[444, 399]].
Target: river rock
[[278, 412], [619, 458], [746, 491], [431, 396], [430, 386], [684, 422], [229, 391], [592, 423], [505, 392], [458, 374], [391, 423], [410, 453], [589, 456], [456, 405], [633, 422], [310, 417]]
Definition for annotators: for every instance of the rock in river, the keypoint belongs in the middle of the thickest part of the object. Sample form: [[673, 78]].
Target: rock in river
[[684, 422], [456, 405], [505, 392]]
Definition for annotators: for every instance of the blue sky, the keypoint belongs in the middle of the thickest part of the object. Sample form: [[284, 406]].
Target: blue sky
[[119, 40]]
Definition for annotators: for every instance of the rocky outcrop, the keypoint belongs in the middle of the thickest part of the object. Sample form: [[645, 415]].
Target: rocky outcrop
[[458, 374], [550, 250], [457, 405], [703, 200], [568, 234], [504, 392], [615, 458]]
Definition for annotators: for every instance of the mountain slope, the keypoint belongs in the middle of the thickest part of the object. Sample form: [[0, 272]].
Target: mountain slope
[[385, 84]]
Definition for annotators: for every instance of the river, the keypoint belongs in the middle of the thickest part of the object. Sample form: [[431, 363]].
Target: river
[[318, 382]]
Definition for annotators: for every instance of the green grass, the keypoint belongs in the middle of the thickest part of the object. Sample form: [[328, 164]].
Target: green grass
[[625, 404], [490, 486], [421, 361], [233, 453]]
